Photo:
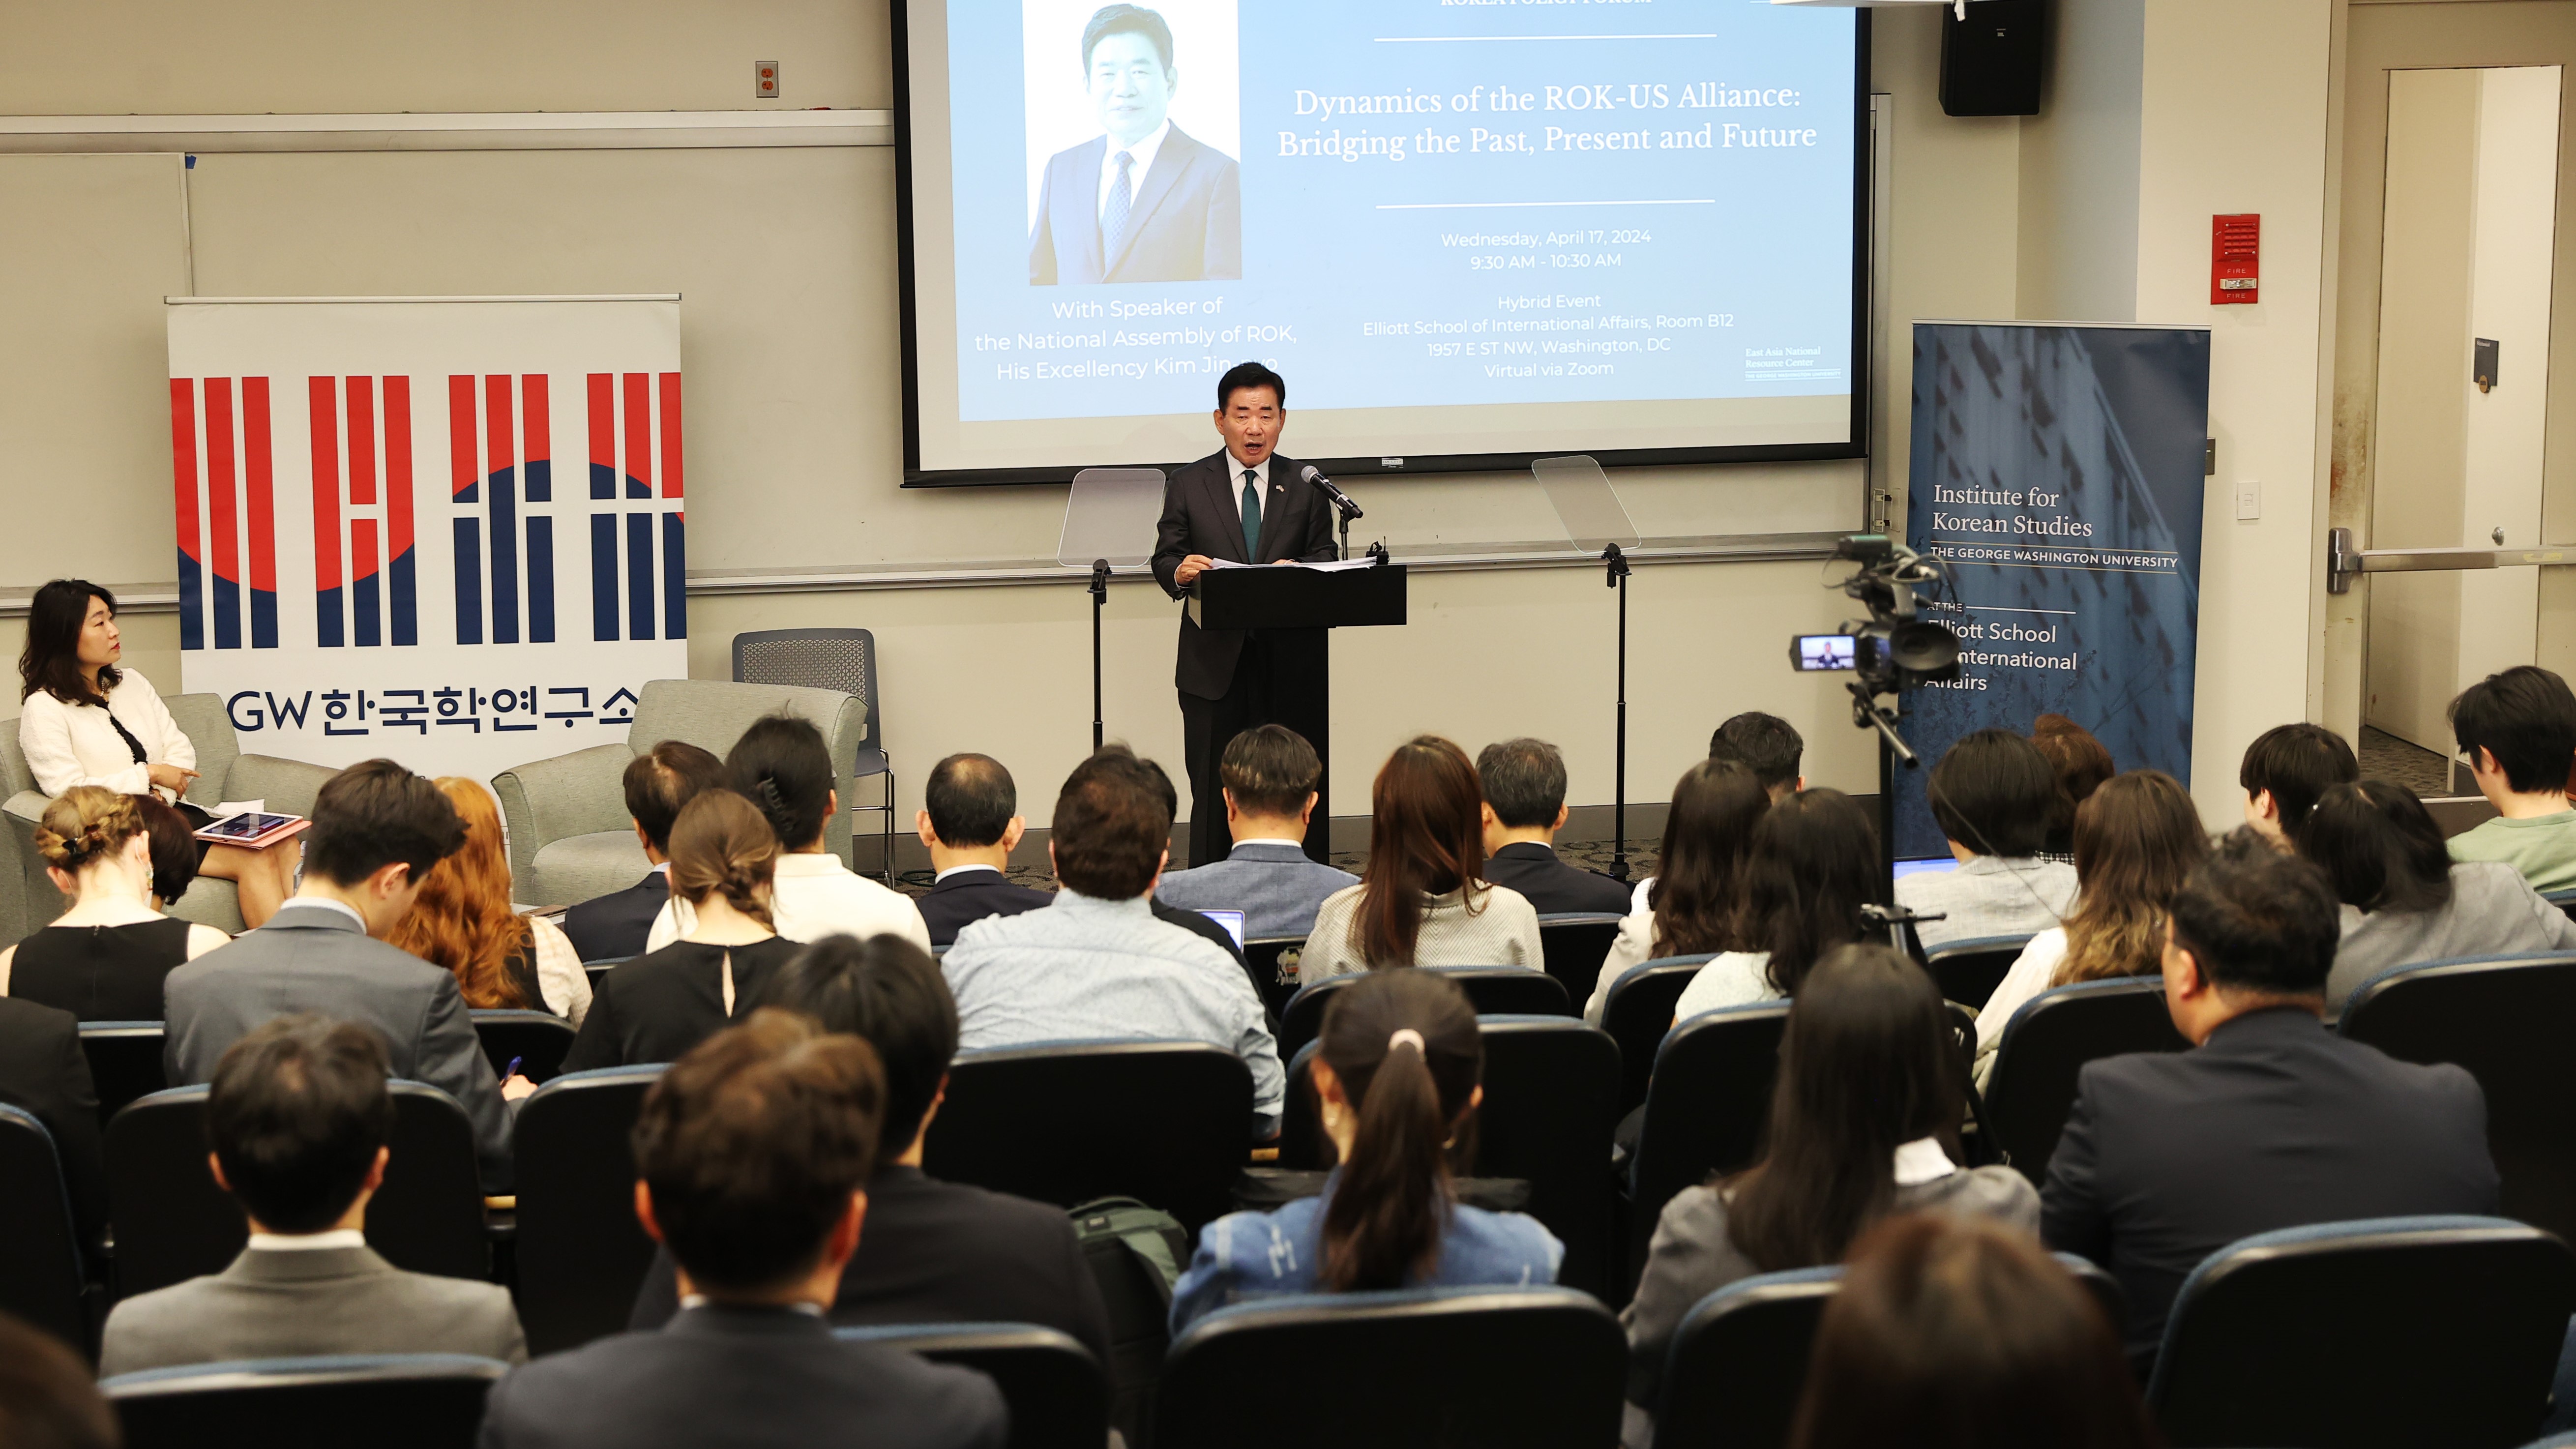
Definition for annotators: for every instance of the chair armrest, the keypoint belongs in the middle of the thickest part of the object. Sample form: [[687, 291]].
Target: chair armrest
[[582, 793], [28, 805], [288, 786]]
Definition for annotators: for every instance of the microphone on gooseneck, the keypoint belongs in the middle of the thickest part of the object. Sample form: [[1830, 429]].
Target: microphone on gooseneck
[[1341, 500]]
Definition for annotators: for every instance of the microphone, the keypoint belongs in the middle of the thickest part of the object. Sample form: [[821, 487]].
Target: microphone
[[1341, 500]]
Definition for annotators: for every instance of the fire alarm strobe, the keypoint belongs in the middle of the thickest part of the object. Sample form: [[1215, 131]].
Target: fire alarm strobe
[[2235, 259]]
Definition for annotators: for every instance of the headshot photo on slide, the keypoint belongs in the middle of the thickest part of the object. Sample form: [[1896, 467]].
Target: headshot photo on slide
[[1134, 123]]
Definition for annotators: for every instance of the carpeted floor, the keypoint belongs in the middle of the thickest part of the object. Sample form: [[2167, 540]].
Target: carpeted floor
[[2386, 757]]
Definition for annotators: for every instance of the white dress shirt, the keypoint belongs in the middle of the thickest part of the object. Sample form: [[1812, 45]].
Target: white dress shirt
[[74, 744], [812, 897], [1143, 151], [307, 1242], [1260, 488]]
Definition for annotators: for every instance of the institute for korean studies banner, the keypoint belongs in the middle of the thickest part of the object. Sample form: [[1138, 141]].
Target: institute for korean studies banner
[[376, 554], [2058, 467]]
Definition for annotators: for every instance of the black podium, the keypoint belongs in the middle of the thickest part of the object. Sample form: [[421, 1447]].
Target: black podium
[[1292, 606]]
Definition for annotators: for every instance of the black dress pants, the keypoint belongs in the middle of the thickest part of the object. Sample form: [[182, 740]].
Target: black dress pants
[[1283, 677]]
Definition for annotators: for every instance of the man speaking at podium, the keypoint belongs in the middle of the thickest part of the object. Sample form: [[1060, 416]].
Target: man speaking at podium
[[1244, 505]]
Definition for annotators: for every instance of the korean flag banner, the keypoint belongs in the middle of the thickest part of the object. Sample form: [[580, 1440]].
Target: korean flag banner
[[376, 554]]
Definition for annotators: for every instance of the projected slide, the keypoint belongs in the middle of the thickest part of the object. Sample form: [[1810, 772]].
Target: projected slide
[[1456, 226]]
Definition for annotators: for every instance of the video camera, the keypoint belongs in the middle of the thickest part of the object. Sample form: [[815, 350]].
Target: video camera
[[1893, 648]]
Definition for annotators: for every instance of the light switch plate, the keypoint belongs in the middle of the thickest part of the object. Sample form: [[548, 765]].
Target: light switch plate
[[2249, 500]]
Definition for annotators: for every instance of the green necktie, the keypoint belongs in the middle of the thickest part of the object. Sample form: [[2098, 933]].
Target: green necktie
[[1251, 517]]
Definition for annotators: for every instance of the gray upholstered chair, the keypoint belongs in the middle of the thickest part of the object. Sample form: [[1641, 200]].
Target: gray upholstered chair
[[28, 898], [570, 836]]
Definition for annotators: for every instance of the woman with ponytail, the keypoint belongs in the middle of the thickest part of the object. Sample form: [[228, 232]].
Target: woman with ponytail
[[781, 766], [657, 1006], [1395, 1073], [2404, 900], [103, 959]]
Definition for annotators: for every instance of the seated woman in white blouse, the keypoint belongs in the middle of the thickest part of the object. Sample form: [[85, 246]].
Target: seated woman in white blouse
[[86, 722]]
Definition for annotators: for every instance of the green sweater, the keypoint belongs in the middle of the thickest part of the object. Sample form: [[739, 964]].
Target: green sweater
[[2543, 848]]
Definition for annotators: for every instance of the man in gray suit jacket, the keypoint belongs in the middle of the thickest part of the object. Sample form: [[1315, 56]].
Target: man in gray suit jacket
[[377, 830], [299, 1115], [1270, 773], [1143, 202]]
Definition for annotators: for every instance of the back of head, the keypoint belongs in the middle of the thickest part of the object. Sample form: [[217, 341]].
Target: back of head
[[2258, 920], [1270, 770], [2526, 718], [1405, 1046], [1866, 1066], [1766, 744], [664, 778], [1716, 805], [1111, 827], [1995, 793], [85, 825], [752, 1144], [2082, 763], [722, 845], [2136, 840], [47, 1400], [1426, 838], [2296, 762], [50, 659], [462, 918], [1524, 782], [297, 1110], [375, 814], [2379, 848], [889, 991], [1953, 1332], [971, 800], [174, 846], [1811, 865], [780, 764]]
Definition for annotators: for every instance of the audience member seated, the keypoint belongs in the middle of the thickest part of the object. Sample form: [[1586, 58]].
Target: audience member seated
[[2284, 771], [1197, 923], [754, 1155], [2082, 764], [298, 1119], [970, 822], [1396, 1080], [2272, 1120], [1420, 901], [1993, 795], [83, 721], [1524, 785], [1096, 964], [2518, 732], [1864, 1123], [935, 1252], [45, 1074], [174, 849], [105, 958], [464, 920], [658, 782], [2405, 901], [377, 830], [782, 766], [1810, 866], [1270, 775], [47, 1400], [1963, 1334], [1715, 806], [2136, 839], [659, 1005], [1767, 745]]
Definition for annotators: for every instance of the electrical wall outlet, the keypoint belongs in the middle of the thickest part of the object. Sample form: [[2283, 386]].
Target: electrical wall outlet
[[764, 79], [2249, 500]]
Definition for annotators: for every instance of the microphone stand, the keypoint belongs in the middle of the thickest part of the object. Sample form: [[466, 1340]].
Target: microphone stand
[[1099, 600], [1616, 564]]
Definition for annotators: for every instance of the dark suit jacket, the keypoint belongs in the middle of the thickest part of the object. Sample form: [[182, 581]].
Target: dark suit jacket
[[2274, 1122], [655, 1007], [963, 899], [1551, 884], [313, 958], [943, 1252], [1203, 513], [613, 926], [44, 1073], [1185, 224], [747, 1378]]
